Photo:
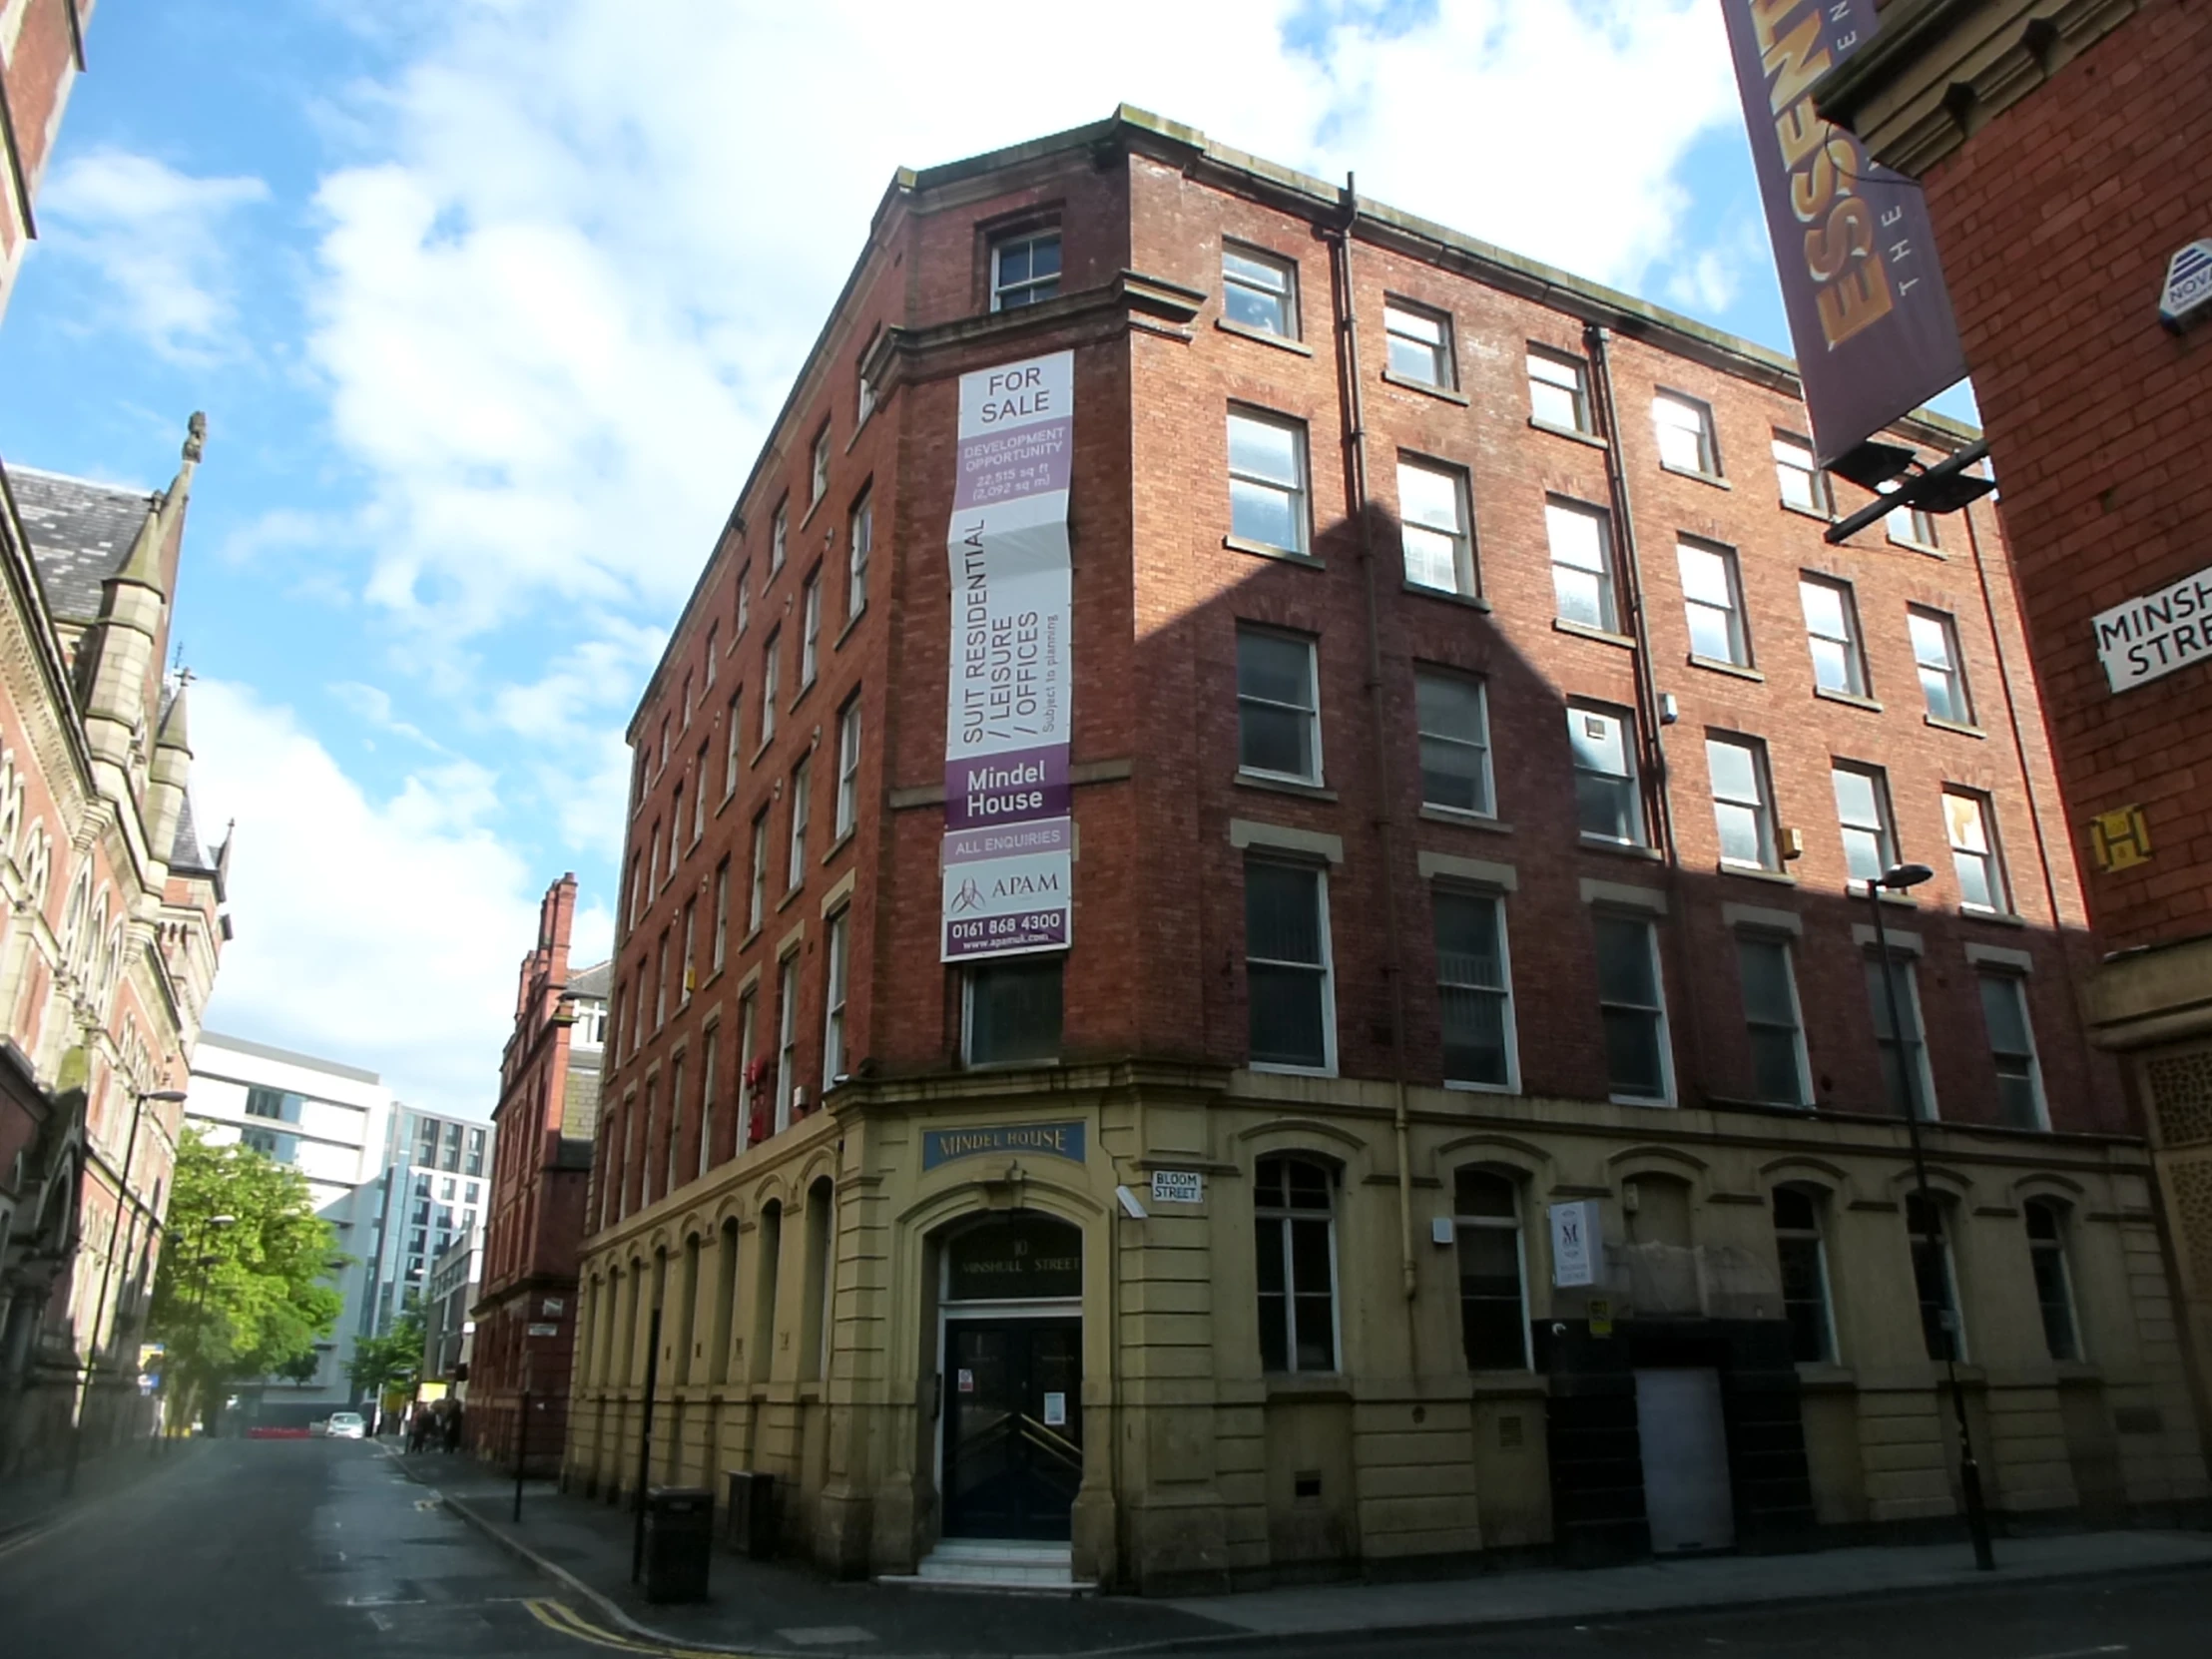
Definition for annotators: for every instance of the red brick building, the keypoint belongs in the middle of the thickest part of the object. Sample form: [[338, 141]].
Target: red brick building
[[42, 50], [2067, 153], [1462, 1068], [525, 1311]]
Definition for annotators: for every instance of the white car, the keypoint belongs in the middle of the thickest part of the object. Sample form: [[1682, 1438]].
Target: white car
[[346, 1426]]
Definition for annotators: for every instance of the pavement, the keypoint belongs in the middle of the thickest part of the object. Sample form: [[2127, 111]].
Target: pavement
[[769, 1609]]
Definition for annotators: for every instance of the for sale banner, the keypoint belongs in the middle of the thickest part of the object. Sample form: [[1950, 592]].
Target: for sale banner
[[1009, 841]]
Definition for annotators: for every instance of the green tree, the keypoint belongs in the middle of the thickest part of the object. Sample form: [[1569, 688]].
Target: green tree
[[391, 1362], [243, 1290]]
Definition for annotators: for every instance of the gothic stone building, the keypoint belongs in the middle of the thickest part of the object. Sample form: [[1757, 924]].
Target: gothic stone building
[[1412, 1054]]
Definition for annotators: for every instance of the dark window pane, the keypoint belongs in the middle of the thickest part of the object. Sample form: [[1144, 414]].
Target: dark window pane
[[1317, 1333], [1774, 1066], [1275, 1337], [1480, 1193], [1266, 1254], [1281, 914], [1014, 1011], [1632, 1052], [1271, 739], [1624, 966], [1794, 1209], [1308, 1185]]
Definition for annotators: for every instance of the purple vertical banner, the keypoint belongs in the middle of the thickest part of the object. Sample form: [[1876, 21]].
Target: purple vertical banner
[[1870, 315]]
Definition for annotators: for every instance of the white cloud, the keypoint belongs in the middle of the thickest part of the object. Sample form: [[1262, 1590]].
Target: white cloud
[[559, 307], [157, 240], [384, 934]]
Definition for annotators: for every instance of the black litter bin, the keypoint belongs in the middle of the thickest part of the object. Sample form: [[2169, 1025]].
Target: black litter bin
[[679, 1536]]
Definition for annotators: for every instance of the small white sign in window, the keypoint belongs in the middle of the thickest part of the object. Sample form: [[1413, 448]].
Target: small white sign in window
[[1055, 1410]]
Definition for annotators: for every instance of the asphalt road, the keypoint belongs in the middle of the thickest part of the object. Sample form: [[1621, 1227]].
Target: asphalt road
[[275, 1549]]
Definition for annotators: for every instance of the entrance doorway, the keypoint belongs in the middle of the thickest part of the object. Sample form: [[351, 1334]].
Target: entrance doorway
[[1011, 1362], [1685, 1454]]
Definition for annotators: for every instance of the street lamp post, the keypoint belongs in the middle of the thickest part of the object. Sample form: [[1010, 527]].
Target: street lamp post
[[1898, 878], [107, 1278]]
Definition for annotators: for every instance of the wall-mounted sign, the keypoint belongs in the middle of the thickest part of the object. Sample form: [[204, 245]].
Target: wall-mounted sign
[[1576, 1242], [552, 1306], [1055, 1410], [1008, 852], [1025, 1257], [2144, 639], [545, 1331], [2186, 296], [1054, 1140], [1853, 244], [2119, 839], [1177, 1186], [1601, 1316]]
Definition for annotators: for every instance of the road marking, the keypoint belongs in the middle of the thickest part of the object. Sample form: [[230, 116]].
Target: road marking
[[24, 1540], [827, 1635], [556, 1615], [429, 1503], [2083, 1652]]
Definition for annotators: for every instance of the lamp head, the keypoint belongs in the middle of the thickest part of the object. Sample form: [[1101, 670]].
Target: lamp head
[[1900, 876], [171, 1096]]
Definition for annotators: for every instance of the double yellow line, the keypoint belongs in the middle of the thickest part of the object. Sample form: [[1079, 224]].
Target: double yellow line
[[556, 1615]]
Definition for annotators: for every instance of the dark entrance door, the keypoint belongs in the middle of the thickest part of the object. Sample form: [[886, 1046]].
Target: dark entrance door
[[1013, 1426]]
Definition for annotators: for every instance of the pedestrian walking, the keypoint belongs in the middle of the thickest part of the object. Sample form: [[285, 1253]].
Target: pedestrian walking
[[453, 1428]]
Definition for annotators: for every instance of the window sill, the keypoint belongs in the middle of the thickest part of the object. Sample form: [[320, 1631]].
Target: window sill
[[751, 938], [1712, 478], [1281, 342], [729, 795], [1756, 872], [1264, 550], [1466, 820], [1472, 600], [800, 696], [1958, 726], [1652, 1101], [1624, 849], [1928, 548], [851, 622], [1269, 1068], [783, 904], [840, 843], [1999, 919], [1426, 389], [1308, 1385], [1742, 671], [1465, 1087], [1283, 785], [1852, 699], [760, 751], [1576, 433], [813, 507], [717, 973], [1825, 1374], [1813, 513], [1582, 630]]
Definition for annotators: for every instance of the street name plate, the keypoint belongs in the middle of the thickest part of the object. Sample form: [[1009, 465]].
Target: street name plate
[[1177, 1186]]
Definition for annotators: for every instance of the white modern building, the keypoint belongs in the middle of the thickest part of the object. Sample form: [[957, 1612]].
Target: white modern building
[[431, 1193], [330, 1122]]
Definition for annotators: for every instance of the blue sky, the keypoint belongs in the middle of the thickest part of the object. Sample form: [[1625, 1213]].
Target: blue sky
[[489, 303]]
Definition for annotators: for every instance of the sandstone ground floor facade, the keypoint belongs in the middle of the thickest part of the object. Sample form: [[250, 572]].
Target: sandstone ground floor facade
[[1218, 1327]]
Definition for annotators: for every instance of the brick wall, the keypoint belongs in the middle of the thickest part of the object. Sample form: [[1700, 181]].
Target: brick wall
[[38, 65], [2056, 221], [1157, 964]]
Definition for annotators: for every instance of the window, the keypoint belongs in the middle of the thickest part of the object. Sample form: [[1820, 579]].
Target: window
[[786, 1038], [1432, 527], [1294, 1258], [1863, 809], [699, 796], [861, 536], [1911, 526], [1972, 855], [1803, 1259], [1287, 970], [1026, 270], [1741, 808], [757, 903], [768, 676], [709, 1041], [1685, 430], [1455, 721], [1903, 1054], [690, 936], [745, 598], [1632, 1008], [2012, 1046], [745, 1070], [864, 398], [664, 747], [1473, 989], [675, 1125], [1011, 1011], [690, 700], [1278, 706], [1773, 1019], [1936, 650], [795, 873], [734, 743], [1419, 344], [274, 1103], [1832, 630], [836, 978], [1934, 1278], [848, 765], [1494, 1295], [637, 889], [817, 475], [809, 633], [2046, 1254], [675, 831], [1802, 483], [1259, 291], [1714, 603], [1581, 563], [653, 850], [1607, 801], [660, 987], [1267, 482], [721, 914], [778, 539], [1558, 393]]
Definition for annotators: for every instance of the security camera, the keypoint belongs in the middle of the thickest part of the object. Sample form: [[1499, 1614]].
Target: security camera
[[1130, 1206]]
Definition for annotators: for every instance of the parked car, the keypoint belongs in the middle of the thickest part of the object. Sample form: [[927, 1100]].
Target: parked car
[[346, 1426]]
